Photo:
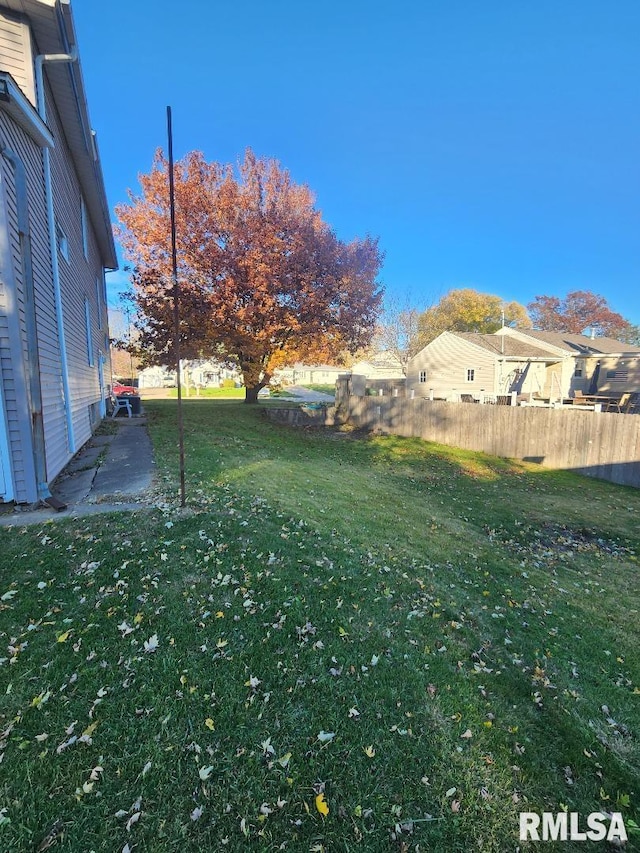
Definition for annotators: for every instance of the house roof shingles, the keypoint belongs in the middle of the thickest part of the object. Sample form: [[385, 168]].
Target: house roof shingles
[[506, 346], [581, 344]]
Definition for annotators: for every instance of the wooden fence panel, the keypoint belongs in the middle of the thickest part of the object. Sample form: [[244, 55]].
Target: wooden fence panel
[[597, 444]]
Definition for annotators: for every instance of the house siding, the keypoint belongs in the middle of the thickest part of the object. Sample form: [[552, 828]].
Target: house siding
[[13, 340], [82, 277], [16, 55], [78, 282], [627, 374], [446, 360]]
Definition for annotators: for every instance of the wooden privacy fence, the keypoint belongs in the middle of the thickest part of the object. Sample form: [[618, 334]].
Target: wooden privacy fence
[[596, 444]]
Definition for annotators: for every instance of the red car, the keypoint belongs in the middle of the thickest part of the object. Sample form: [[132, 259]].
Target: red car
[[120, 390]]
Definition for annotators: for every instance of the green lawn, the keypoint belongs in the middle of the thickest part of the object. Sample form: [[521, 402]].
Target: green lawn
[[329, 388], [426, 641], [219, 393], [215, 393]]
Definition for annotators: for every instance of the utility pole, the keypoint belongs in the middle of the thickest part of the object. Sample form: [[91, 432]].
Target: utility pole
[[176, 306]]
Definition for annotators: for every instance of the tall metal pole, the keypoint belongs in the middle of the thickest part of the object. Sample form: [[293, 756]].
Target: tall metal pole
[[176, 306]]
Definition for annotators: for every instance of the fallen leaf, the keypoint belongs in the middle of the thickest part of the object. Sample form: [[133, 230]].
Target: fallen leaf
[[322, 805], [205, 772], [135, 817], [326, 737], [151, 644]]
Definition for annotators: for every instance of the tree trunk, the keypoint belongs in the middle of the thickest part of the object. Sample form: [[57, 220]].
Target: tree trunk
[[251, 394]]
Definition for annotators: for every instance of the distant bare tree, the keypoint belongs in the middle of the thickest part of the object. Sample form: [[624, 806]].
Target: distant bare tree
[[397, 332]]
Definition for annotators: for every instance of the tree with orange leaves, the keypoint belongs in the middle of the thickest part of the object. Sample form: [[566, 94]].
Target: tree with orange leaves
[[578, 311], [262, 277]]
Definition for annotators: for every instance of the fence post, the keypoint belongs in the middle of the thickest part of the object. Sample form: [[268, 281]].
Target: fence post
[[514, 398]]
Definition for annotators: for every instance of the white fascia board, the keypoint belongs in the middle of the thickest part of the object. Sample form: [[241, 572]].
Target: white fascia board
[[13, 102]]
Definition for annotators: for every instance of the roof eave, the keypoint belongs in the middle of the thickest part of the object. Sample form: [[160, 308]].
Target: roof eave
[[22, 112], [54, 32]]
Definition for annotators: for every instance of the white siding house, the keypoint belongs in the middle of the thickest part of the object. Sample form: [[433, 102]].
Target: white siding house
[[55, 244], [550, 365]]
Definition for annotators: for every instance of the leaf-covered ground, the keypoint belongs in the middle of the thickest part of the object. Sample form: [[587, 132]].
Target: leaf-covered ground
[[344, 643]]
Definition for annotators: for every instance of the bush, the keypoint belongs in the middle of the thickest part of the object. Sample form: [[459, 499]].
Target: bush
[[228, 383]]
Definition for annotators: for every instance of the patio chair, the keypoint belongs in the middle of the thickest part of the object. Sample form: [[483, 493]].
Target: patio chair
[[120, 403], [617, 405]]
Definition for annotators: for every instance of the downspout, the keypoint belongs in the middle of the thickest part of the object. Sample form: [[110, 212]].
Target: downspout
[[33, 357], [53, 247]]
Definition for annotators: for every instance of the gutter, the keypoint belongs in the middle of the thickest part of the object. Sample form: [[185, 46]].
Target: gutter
[[53, 247]]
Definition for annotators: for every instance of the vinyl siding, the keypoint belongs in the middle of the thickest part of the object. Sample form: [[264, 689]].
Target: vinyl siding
[[446, 360], [16, 55], [13, 342], [627, 369], [77, 279], [78, 282]]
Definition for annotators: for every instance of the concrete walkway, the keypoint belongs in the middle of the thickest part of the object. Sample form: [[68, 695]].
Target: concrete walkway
[[306, 395], [114, 471]]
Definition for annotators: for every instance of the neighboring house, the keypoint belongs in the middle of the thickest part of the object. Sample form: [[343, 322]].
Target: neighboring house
[[597, 365], [156, 377], [383, 365], [382, 373], [200, 372], [320, 374], [55, 244], [551, 365], [210, 373], [380, 368]]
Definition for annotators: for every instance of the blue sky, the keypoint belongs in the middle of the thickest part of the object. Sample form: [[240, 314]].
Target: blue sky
[[493, 144]]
